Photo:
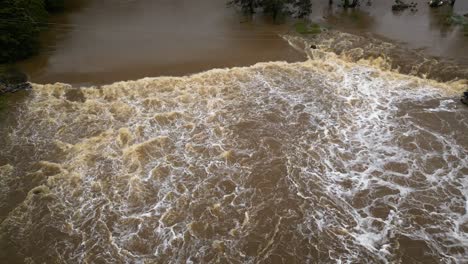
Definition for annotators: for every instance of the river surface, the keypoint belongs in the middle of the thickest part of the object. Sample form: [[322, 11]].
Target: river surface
[[427, 29], [106, 41], [341, 155], [322, 161], [100, 42]]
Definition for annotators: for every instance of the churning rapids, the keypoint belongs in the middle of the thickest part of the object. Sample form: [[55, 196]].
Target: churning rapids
[[322, 161]]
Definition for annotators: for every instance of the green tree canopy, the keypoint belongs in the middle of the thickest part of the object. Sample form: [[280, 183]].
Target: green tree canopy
[[21, 22]]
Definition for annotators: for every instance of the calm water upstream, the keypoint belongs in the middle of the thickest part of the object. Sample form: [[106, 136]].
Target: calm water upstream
[[329, 159], [105, 41]]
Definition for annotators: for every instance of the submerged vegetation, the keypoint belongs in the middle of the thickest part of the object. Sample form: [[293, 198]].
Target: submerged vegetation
[[296, 8], [460, 21], [21, 23], [275, 8], [305, 28]]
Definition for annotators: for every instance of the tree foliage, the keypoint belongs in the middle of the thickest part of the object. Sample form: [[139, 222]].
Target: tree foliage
[[297, 8], [54, 5], [21, 22], [248, 6], [303, 8], [350, 3]]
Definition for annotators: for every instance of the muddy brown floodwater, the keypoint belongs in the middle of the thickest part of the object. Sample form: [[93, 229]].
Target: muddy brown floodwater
[[322, 161], [348, 156], [100, 42], [427, 29], [107, 41]]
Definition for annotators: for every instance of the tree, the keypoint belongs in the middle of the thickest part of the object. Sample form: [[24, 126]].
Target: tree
[[273, 7], [297, 8], [353, 4], [20, 24], [54, 5], [20, 28], [248, 6], [304, 8]]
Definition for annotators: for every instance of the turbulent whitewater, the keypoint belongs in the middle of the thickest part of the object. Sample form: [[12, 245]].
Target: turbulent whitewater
[[322, 161]]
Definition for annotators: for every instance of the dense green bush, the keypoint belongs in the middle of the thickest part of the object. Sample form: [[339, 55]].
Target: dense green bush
[[306, 28], [21, 22]]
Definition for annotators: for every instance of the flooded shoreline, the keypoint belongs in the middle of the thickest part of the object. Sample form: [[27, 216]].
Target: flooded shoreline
[[107, 41], [100, 42]]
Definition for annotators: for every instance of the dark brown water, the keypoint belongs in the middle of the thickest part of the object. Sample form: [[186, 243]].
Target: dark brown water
[[105, 41], [323, 161], [335, 159], [427, 29]]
